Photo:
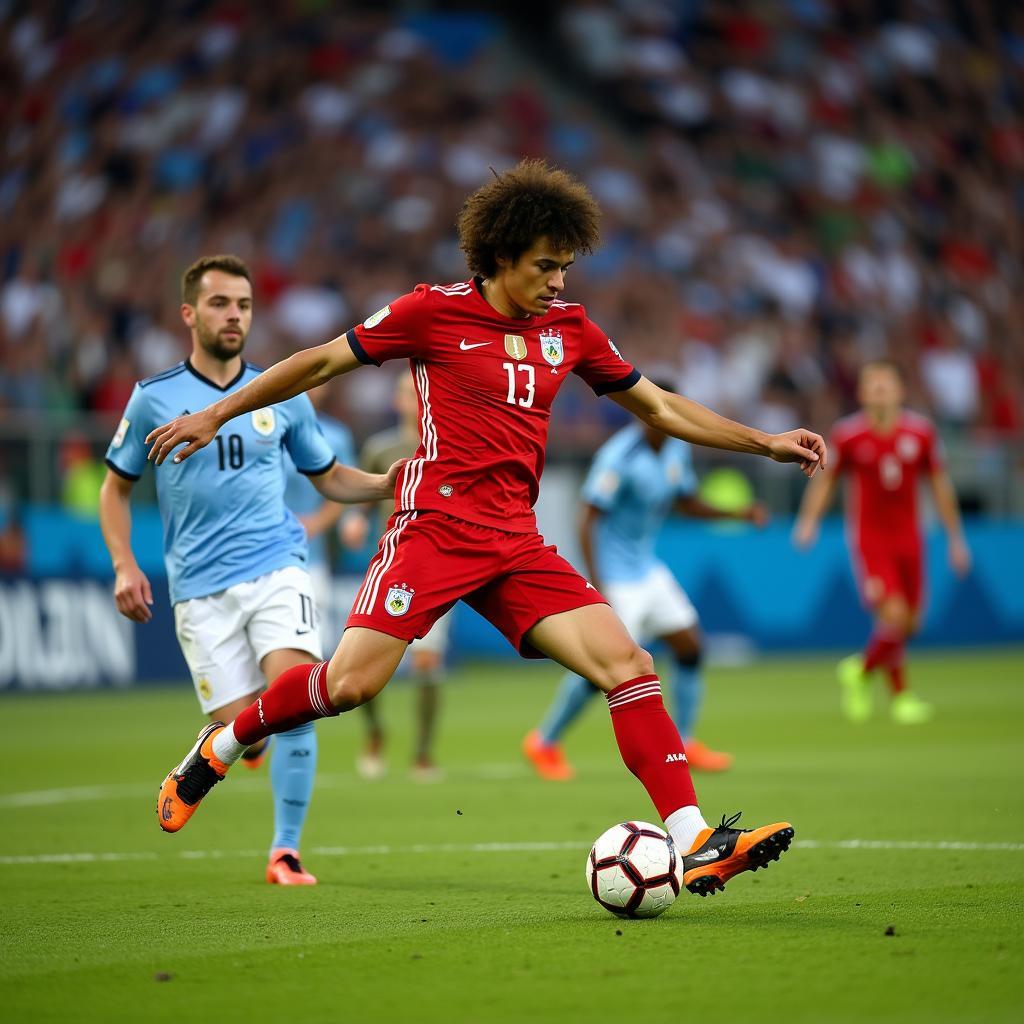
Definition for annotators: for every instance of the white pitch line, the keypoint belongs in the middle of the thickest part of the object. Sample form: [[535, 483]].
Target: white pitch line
[[129, 791], [531, 847]]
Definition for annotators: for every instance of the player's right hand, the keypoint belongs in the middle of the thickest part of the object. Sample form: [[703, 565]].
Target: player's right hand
[[195, 431], [133, 595], [801, 446]]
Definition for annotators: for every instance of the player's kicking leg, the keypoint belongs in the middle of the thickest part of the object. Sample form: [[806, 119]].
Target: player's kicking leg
[[593, 642], [363, 663]]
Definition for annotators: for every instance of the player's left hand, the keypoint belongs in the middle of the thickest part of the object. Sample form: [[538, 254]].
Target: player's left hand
[[801, 446], [959, 556], [198, 429], [390, 478]]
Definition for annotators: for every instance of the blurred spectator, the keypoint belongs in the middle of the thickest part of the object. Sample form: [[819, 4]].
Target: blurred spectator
[[788, 188], [81, 477]]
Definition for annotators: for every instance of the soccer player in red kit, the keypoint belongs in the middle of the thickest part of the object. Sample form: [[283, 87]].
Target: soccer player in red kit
[[885, 450], [488, 356]]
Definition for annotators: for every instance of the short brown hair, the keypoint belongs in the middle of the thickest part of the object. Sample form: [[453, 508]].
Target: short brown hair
[[882, 363], [533, 200], [194, 274]]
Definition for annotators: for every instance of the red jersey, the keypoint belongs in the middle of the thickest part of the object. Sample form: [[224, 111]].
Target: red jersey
[[885, 470], [485, 384]]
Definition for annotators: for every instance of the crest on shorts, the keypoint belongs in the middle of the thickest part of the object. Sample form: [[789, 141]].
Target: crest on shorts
[[398, 600], [204, 687], [263, 421], [551, 347], [515, 345]]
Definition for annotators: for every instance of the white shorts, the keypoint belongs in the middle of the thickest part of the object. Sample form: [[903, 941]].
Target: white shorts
[[436, 640], [225, 636], [652, 607]]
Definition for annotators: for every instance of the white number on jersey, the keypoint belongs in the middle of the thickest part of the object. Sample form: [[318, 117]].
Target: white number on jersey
[[510, 368]]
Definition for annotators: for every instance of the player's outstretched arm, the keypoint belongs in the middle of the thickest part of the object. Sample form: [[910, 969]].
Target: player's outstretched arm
[[683, 418], [290, 377], [348, 485]]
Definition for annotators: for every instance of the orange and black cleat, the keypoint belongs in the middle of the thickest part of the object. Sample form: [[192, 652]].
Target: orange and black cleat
[[285, 868], [254, 756], [548, 759], [184, 787], [722, 852]]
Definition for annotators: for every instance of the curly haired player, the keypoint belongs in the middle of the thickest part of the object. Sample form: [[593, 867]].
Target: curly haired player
[[488, 356]]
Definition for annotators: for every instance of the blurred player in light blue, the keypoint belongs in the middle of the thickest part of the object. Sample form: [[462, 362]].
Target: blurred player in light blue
[[638, 477], [321, 518], [237, 564]]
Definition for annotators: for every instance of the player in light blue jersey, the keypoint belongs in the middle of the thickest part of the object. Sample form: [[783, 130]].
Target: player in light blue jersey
[[638, 477], [236, 556]]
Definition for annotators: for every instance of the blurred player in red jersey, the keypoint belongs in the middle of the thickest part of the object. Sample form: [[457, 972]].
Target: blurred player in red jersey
[[488, 356], [885, 450]]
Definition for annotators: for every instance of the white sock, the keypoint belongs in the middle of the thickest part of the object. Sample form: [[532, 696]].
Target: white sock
[[683, 826], [226, 748]]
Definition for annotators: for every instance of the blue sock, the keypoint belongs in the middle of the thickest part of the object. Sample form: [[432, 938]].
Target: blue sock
[[292, 767], [572, 697], [687, 688]]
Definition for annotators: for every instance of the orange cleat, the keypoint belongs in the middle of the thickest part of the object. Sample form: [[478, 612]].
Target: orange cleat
[[722, 852], [255, 756], [285, 868], [548, 759], [184, 788], [702, 758]]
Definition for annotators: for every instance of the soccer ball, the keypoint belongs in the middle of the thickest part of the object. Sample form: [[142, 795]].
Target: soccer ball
[[634, 870]]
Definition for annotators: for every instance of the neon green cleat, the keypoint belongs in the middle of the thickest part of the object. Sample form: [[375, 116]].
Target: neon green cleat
[[855, 689], [908, 709]]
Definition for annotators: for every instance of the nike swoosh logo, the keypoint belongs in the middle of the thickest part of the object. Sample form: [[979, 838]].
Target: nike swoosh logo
[[476, 344]]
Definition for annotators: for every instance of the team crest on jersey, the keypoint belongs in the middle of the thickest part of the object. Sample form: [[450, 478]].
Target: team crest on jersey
[[551, 347], [907, 447], [372, 321], [122, 433], [263, 421], [515, 345], [398, 600]]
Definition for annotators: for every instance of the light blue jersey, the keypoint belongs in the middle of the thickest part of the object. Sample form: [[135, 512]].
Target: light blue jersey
[[223, 510], [635, 487], [302, 497]]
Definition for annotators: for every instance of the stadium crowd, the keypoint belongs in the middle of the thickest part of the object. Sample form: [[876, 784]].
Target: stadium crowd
[[788, 186]]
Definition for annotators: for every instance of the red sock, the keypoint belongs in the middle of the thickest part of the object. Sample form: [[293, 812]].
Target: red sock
[[884, 643], [295, 697], [650, 745], [896, 672]]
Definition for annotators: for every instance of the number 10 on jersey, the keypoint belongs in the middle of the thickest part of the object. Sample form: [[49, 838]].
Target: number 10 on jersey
[[512, 398]]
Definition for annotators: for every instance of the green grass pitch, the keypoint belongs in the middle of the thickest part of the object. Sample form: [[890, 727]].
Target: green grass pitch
[[901, 899]]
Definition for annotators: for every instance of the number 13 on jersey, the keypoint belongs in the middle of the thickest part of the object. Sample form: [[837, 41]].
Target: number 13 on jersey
[[529, 383]]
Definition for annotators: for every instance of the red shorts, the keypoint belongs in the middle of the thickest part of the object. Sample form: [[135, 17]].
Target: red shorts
[[426, 561], [885, 572]]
